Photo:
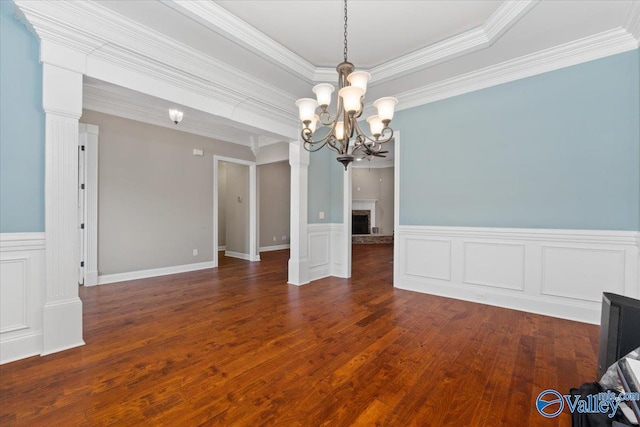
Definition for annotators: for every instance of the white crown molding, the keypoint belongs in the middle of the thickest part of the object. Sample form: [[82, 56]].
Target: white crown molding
[[223, 22], [107, 37], [376, 164], [481, 37], [583, 50], [633, 21], [120, 102]]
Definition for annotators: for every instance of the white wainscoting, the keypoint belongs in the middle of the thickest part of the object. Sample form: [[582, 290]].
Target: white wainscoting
[[560, 273], [326, 252], [22, 294]]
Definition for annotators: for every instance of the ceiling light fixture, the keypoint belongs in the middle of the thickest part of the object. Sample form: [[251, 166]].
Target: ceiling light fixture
[[345, 135], [176, 116]]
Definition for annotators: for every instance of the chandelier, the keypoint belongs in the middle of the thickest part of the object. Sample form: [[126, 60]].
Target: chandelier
[[341, 131]]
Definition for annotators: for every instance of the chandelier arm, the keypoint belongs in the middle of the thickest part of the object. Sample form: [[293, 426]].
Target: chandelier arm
[[312, 147], [307, 137], [380, 140]]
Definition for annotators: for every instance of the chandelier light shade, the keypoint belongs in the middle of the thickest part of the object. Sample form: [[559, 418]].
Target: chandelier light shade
[[175, 115], [344, 133]]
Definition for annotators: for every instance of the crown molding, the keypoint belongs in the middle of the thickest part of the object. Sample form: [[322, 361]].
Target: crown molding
[[107, 38], [478, 38], [223, 22], [632, 25], [123, 103], [375, 164], [583, 50]]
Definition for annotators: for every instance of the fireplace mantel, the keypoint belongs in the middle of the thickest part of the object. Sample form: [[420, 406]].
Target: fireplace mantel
[[366, 205]]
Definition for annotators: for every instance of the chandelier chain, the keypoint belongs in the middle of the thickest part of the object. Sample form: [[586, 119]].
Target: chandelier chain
[[345, 30]]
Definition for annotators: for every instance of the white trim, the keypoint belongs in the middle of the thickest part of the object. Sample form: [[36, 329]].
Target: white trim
[[560, 273], [373, 164], [239, 255], [223, 22], [475, 39], [396, 207], [298, 265], [219, 20], [89, 138], [22, 241], [633, 21], [22, 271], [108, 46], [121, 102], [344, 256], [154, 272], [274, 248], [222, 248], [326, 251], [576, 52], [253, 206], [62, 102]]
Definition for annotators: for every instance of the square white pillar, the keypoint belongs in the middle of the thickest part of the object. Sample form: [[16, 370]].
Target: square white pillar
[[299, 252], [62, 311]]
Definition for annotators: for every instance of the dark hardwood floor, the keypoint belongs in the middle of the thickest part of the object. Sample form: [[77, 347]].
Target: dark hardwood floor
[[238, 346]]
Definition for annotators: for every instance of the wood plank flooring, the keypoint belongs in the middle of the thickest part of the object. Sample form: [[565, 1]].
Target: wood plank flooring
[[237, 346]]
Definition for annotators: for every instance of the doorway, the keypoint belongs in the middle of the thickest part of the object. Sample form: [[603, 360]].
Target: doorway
[[240, 219]]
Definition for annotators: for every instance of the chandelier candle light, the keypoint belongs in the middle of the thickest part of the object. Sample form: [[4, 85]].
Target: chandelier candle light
[[345, 135]]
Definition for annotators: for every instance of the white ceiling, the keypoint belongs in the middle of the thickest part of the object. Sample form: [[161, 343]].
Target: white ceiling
[[416, 50]]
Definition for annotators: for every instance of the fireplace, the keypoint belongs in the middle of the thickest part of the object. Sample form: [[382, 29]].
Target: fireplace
[[360, 222]]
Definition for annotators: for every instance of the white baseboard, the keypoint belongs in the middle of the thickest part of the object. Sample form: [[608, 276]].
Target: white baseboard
[[143, 274], [90, 278], [222, 248], [22, 283], [61, 329], [560, 273], [239, 255], [274, 248], [21, 347]]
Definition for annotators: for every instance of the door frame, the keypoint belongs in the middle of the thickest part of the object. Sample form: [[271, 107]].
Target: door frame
[[253, 207]]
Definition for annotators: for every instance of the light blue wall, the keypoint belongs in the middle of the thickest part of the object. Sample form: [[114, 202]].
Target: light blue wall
[[556, 150], [325, 187], [21, 127], [319, 194]]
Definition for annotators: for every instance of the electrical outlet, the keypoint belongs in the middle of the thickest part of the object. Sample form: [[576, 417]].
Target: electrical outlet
[[195, 252], [284, 237], [321, 215], [274, 239]]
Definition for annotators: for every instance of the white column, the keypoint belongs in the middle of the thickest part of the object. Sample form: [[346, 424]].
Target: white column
[[90, 134], [299, 252], [346, 209], [62, 312]]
